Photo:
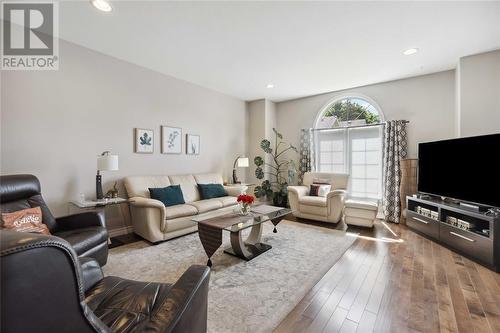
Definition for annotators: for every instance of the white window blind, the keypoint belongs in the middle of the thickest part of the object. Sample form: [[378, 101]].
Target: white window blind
[[356, 151]]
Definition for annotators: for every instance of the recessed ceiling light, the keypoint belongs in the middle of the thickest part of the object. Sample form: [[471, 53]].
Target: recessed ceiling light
[[102, 5], [270, 86], [411, 51]]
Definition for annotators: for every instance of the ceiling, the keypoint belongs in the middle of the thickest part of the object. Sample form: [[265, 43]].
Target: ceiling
[[303, 48]]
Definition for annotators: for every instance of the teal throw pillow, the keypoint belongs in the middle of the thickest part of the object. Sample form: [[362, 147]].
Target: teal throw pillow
[[209, 191], [170, 195]]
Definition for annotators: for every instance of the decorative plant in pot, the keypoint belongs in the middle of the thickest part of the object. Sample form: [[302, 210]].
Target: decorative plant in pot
[[280, 171]]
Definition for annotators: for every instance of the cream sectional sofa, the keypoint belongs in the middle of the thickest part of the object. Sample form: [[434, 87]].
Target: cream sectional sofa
[[326, 209], [155, 222]]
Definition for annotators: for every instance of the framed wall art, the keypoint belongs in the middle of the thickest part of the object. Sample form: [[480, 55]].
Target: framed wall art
[[192, 144], [144, 141], [171, 140]]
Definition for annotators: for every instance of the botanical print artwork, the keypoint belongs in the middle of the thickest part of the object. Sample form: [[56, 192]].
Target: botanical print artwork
[[193, 144], [144, 140], [171, 140]]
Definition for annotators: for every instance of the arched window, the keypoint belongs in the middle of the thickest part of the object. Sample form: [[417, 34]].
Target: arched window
[[349, 140], [349, 111]]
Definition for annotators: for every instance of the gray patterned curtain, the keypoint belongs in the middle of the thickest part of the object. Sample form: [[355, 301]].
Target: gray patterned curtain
[[395, 149], [306, 162]]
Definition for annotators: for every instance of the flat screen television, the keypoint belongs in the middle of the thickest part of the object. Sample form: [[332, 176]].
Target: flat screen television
[[466, 169]]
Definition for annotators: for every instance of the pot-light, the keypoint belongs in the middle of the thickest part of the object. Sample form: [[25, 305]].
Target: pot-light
[[270, 86], [102, 5], [411, 51]]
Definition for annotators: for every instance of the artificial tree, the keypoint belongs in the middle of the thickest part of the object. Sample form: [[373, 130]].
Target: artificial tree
[[280, 171]]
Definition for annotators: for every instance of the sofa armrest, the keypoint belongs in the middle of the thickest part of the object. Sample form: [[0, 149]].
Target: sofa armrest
[[335, 200], [141, 202], [91, 272], [235, 190], [185, 307], [335, 193], [300, 191], [81, 220]]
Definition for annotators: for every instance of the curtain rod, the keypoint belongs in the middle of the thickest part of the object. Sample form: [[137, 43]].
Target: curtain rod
[[348, 127]]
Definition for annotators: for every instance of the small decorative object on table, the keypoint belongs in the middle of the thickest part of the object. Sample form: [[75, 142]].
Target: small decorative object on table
[[113, 193], [245, 201]]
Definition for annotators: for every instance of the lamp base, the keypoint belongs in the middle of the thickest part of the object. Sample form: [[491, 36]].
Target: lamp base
[[98, 187], [235, 179]]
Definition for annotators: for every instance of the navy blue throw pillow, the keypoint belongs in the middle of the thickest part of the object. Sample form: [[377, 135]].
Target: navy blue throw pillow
[[170, 195], [209, 191]]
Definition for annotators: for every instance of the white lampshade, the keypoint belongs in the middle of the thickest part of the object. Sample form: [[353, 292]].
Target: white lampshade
[[107, 163], [243, 162]]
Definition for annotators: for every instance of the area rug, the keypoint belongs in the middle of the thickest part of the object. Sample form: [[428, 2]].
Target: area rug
[[253, 296]]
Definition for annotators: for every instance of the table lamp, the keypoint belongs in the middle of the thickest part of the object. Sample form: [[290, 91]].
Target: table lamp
[[105, 162], [240, 162]]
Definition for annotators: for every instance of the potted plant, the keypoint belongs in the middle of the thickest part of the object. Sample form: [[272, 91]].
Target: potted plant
[[280, 171]]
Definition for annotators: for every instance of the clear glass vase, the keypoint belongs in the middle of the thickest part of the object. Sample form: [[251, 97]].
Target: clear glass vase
[[244, 208]]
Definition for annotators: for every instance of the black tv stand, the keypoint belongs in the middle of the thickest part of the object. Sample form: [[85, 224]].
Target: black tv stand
[[468, 231]]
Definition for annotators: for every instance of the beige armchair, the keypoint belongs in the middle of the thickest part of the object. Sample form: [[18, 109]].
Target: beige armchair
[[326, 209]]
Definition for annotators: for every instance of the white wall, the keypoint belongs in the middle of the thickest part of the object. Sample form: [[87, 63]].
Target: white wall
[[428, 102], [262, 120], [55, 123], [478, 94]]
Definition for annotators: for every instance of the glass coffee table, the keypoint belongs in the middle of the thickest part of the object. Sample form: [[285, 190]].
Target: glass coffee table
[[211, 225]]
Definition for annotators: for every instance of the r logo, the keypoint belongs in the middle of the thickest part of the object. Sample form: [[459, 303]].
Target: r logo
[[28, 29]]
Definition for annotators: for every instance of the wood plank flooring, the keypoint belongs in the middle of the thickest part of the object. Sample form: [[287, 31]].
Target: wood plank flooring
[[394, 280]]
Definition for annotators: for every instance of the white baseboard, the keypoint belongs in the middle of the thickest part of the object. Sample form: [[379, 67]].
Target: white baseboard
[[120, 231]]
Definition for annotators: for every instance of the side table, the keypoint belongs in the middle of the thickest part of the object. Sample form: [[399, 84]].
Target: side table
[[99, 206]]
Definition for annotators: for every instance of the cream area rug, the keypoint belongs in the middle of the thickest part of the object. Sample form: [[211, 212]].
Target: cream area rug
[[251, 296]]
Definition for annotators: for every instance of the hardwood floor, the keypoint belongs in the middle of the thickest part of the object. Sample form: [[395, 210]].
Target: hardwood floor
[[394, 280]]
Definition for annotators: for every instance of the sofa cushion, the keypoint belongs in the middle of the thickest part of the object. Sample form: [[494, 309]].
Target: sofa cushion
[[360, 204], [137, 186], [208, 178], [170, 195], [188, 185], [123, 304], [176, 211], [313, 201], [207, 205], [84, 239], [228, 201], [209, 191]]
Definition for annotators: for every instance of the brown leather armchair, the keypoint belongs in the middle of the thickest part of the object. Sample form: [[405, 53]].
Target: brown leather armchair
[[46, 288], [85, 232]]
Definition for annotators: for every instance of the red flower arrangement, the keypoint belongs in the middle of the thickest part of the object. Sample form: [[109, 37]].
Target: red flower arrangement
[[246, 199], [245, 202]]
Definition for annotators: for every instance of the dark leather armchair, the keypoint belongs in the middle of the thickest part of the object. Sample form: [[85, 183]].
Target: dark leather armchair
[[45, 288], [85, 232]]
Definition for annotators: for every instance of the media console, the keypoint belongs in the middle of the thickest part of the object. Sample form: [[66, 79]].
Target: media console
[[473, 234]]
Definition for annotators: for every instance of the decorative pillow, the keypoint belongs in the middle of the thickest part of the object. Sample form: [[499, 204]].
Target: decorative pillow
[[26, 220], [209, 191], [170, 195], [320, 190]]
